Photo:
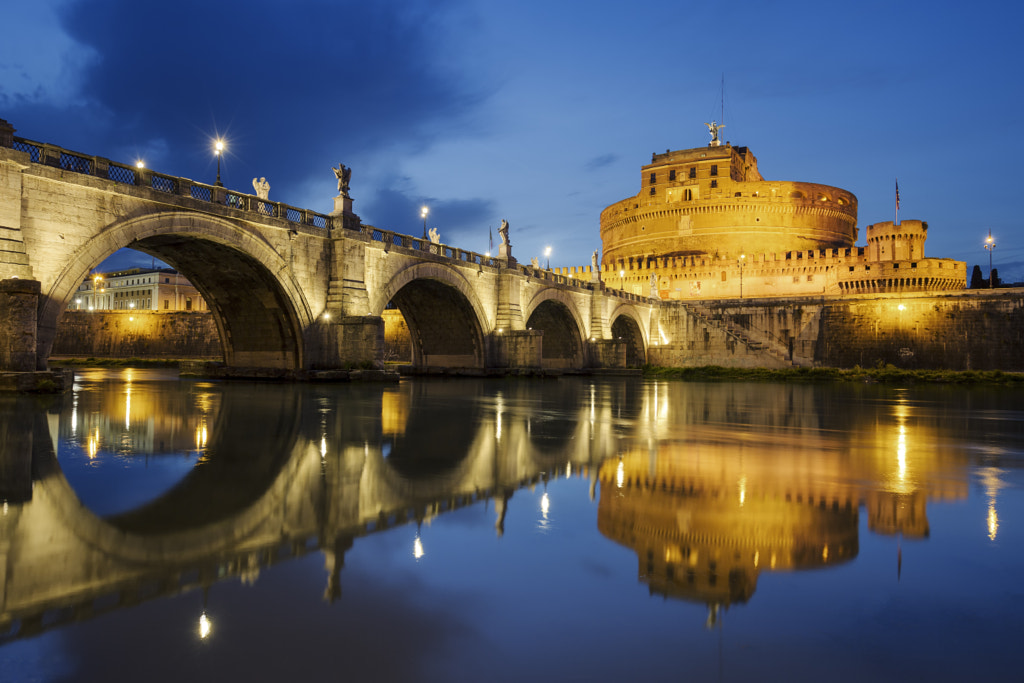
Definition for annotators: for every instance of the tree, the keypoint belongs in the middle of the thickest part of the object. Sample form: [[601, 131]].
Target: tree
[[996, 282], [977, 281]]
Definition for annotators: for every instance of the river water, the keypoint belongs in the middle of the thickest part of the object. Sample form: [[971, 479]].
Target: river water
[[507, 530]]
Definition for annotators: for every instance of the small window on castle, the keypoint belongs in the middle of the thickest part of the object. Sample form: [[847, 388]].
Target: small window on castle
[[671, 175], [654, 178], [796, 278], [714, 183], [714, 169], [810, 278], [895, 266], [188, 303], [723, 276], [167, 280], [653, 191], [167, 304], [867, 267], [693, 171], [738, 194], [913, 265], [688, 195]]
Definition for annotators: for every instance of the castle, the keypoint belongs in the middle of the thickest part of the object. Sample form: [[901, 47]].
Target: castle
[[706, 225]]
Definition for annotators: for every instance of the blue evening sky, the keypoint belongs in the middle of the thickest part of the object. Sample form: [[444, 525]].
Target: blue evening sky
[[538, 112]]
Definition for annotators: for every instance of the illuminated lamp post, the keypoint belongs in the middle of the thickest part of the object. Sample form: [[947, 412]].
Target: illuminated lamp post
[[990, 245], [218, 149], [742, 262], [547, 255], [622, 280], [423, 214]]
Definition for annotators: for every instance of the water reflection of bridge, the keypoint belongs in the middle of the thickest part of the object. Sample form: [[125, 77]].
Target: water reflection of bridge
[[708, 487]]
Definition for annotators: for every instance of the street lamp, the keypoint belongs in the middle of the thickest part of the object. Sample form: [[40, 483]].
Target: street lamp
[[622, 279], [990, 245], [547, 255], [742, 262], [218, 149], [423, 214]]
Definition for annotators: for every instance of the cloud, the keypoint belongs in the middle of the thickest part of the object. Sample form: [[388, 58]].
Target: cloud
[[602, 161], [293, 86], [462, 222]]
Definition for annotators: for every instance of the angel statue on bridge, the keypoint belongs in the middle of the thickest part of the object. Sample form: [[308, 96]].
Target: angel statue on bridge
[[344, 174], [503, 233]]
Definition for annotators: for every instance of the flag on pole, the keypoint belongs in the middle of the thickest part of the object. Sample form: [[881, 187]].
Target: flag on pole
[[896, 216], [490, 239]]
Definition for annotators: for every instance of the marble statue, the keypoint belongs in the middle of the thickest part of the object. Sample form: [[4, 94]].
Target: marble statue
[[262, 187], [503, 233], [344, 174], [654, 286], [435, 236]]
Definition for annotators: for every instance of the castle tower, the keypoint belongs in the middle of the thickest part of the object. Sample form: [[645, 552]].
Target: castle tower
[[897, 242]]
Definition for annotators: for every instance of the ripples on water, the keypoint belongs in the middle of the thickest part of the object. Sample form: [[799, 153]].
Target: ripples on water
[[571, 529]]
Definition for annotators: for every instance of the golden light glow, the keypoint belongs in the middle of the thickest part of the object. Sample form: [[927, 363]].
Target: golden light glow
[[424, 211], [218, 146], [901, 307], [620, 475], [323, 447], [201, 436], [140, 164], [824, 554], [757, 558], [545, 505], [901, 453], [94, 443], [743, 490], [205, 626], [993, 520], [327, 315], [417, 548]]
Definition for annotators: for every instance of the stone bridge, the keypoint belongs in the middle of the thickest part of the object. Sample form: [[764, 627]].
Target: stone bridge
[[291, 290], [291, 486]]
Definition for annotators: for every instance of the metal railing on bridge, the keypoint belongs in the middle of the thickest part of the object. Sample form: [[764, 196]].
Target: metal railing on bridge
[[99, 167], [51, 155]]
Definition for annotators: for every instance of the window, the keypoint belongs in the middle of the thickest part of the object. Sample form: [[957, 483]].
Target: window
[[654, 178], [714, 183], [714, 169], [188, 303], [723, 276], [671, 175], [693, 171], [167, 280], [167, 304], [688, 195], [654, 191]]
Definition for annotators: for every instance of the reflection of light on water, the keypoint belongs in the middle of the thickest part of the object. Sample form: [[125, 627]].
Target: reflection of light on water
[[417, 548], [568, 470], [620, 474], [545, 505], [743, 490], [497, 419], [201, 436], [757, 558], [824, 554], [128, 406], [205, 626], [94, 443], [323, 447], [74, 414], [992, 483], [901, 453]]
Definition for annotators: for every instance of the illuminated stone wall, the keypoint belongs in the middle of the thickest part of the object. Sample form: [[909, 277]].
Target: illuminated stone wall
[[137, 334], [969, 330]]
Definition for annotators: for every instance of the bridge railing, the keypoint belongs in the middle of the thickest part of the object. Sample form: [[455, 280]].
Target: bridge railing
[[396, 239], [100, 167]]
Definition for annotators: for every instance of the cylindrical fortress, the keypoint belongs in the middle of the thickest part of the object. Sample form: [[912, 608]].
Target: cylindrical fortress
[[713, 201]]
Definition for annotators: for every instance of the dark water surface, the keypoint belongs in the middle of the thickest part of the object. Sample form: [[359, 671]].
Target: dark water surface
[[157, 529]]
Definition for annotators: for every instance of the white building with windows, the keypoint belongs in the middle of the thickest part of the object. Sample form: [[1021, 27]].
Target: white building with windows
[[140, 289]]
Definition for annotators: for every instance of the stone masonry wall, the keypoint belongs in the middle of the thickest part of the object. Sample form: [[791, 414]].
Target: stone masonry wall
[[146, 334]]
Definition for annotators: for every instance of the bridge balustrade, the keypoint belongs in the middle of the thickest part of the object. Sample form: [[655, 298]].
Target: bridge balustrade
[[57, 157]]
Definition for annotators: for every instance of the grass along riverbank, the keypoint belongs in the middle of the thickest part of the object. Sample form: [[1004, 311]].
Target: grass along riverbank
[[888, 374]]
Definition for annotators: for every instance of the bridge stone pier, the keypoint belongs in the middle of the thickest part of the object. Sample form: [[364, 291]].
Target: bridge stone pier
[[291, 290]]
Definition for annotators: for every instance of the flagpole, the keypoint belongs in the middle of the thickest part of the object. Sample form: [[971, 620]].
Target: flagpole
[[896, 216]]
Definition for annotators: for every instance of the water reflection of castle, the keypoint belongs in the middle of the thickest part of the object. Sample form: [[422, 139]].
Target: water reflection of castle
[[707, 508], [709, 485]]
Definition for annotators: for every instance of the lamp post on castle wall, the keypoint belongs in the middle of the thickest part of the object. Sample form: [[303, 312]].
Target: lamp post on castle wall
[[742, 262], [990, 245], [423, 214], [218, 149]]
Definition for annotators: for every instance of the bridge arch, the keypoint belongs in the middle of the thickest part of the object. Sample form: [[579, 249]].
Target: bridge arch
[[447, 322], [554, 311], [258, 306], [627, 325]]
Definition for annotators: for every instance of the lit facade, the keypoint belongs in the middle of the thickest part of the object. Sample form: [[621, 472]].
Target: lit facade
[[707, 225], [157, 289]]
